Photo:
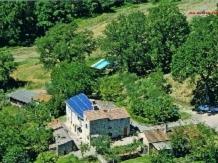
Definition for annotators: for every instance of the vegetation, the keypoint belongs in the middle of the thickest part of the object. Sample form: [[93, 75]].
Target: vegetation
[[18, 23], [7, 65], [46, 157], [69, 79], [198, 56], [168, 29], [62, 43], [126, 43], [23, 134], [84, 148], [102, 144], [137, 43]]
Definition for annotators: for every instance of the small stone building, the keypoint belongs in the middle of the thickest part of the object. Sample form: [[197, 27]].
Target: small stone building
[[22, 97], [155, 139], [63, 143], [85, 119]]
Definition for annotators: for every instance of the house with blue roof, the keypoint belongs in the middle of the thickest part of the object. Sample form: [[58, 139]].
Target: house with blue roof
[[86, 119]]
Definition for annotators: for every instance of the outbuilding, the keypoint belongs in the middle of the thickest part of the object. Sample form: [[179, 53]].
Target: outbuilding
[[156, 139], [22, 97]]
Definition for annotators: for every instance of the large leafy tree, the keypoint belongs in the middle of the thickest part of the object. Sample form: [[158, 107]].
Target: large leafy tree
[[149, 102], [69, 79], [18, 23], [7, 65], [199, 56], [50, 13], [168, 30], [114, 88], [63, 43], [126, 43], [198, 142], [22, 136]]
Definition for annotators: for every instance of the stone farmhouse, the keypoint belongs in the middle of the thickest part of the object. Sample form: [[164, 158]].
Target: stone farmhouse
[[86, 119]]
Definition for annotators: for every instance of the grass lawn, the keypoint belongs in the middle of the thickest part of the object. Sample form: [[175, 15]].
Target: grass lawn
[[29, 69]]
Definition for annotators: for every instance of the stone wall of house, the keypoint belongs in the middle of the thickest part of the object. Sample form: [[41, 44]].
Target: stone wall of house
[[66, 148], [112, 128]]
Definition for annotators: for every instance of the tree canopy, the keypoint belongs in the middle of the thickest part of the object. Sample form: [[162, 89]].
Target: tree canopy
[[18, 23], [149, 102], [49, 13], [168, 30], [69, 79], [198, 142], [199, 54], [7, 65], [126, 43], [63, 43], [22, 136]]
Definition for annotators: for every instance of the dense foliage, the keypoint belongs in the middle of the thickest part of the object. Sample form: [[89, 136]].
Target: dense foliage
[[199, 56], [189, 140], [149, 102], [137, 43], [18, 23], [146, 98], [23, 134], [113, 88], [63, 43], [69, 79], [168, 29], [23, 21], [7, 65], [126, 43]]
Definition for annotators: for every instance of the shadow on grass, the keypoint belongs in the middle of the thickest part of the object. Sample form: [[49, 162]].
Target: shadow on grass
[[206, 94], [13, 84]]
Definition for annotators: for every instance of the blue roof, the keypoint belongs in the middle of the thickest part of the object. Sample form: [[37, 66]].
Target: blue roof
[[79, 104], [101, 64]]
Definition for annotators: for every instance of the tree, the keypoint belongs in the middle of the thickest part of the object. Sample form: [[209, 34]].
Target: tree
[[161, 157], [126, 43], [148, 101], [18, 23], [22, 136], [16, 154], [102, 144], [199, 55], [63, 43], [7, 65], [3, 99], [198, 142], [84, 148], [113, 88], [69, 79], [46, 157], [49, 13], [168, 30]]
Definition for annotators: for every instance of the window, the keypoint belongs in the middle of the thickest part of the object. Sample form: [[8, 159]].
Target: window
[[86, 126]]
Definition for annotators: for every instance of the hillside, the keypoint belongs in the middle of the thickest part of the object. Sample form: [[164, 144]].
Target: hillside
[[31, 71]]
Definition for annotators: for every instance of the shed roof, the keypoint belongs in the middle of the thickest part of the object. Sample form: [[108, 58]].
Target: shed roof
[[157, 135], [22, 95], [162, 145], [112, 114], [79, 104], [101, 64]]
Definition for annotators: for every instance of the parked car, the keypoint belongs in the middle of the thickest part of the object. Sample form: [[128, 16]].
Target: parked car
[[202, 108], [214, 109]]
